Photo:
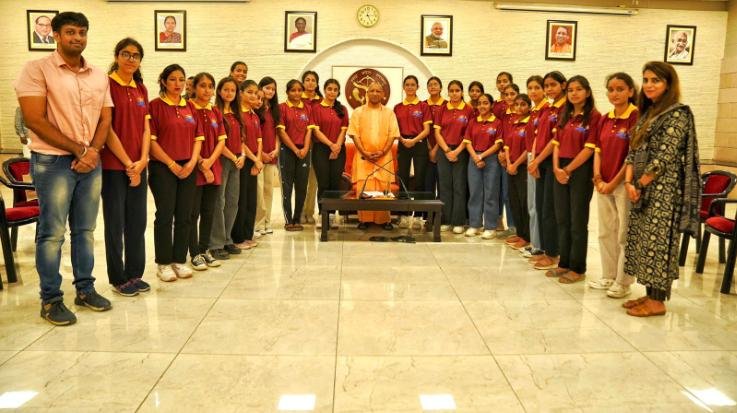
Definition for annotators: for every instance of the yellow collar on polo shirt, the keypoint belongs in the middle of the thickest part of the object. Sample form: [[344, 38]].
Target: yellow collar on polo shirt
[[509, 111], [120, 81], [405, 102], [491, 118], [440, 101], [523, 120], [245, 109], [198, 107], [304, 96], [560, 102], [325, 105], [540, 105], [631, 108], [459, 107], [291, 105], [168, 101]]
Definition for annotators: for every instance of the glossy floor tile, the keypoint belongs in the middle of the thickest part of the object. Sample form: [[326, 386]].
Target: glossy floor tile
[[352, 325]]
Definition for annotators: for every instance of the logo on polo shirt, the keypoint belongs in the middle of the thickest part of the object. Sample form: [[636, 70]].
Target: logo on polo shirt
[[140, 102], [553, 118], [417, 114], [521, 133], [491, 131], [188, 118], [622, 134], [462, 119], [303, 117], [581, 129]]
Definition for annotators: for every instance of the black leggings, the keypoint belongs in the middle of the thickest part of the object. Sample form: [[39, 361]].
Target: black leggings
[[546, 208], [572, 215], [294, 173], [245, 218], [204, 208], [328, 172]]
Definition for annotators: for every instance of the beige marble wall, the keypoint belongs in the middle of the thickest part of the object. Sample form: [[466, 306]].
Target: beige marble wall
[[486, 41], [725, 138]]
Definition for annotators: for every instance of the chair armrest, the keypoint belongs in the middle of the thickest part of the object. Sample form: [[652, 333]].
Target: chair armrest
[[16, 184], [720, 201]]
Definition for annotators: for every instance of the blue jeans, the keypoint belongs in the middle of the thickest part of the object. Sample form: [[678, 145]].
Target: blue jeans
[[64, 194], [532, 210], [484, 200]]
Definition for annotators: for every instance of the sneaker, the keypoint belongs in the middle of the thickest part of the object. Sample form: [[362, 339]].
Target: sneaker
[[418, 223], [257, 234], [220, 254], [56, 313], [166, 273], [618, 290], [143, 286], [267, 231], [334, 221], [458, 229], [210, 261], [181, 270], [445, 228], [231, 249], [488, 234], [198, 263], [128, 289], [472, 232], [93, 301], [310, 220], [601, 283], [404, 221], [504, 233]]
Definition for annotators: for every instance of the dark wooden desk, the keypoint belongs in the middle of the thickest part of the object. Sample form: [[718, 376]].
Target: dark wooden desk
[[346, 201]]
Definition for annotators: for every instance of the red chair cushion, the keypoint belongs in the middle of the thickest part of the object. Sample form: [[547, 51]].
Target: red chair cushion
[[721, 224], [21, 213], [715, 184], [20, 168], [31, 203]]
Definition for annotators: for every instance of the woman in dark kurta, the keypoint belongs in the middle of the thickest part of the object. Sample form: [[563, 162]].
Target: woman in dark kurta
[[662, 180]]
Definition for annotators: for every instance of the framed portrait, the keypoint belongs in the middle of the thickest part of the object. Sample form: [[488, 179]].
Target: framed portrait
[[300, 31], [38, 27], [436, 35], [170, 30], [679, 44], [560, 40]]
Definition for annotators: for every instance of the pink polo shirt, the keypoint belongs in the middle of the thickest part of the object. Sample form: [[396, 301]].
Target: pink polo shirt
[[74, 100]]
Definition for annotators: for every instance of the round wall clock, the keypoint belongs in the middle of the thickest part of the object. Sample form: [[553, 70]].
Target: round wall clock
[[367, 15]]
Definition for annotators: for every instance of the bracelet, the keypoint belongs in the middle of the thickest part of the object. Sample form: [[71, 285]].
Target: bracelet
[[171, 164], [94, 149], [84, 152]]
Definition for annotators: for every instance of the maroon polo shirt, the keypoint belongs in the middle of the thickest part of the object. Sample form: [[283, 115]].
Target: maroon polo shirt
[[174, 127], [412, 117], [533, 123], [452, 122], [328, 122], [268, 132], [296, 120], [483, 133], [547, 124], [130, 115], [515, 140], [233, 130], [574, 135], [614, 141], [434, 112], [214, 129]]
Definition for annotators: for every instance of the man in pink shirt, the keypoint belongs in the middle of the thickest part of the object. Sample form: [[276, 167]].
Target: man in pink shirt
[[67, 106]]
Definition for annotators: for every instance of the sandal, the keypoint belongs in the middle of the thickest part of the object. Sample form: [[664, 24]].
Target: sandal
[[546, 264], [635, 302], [556, 272], [571, 278], [645, 310]]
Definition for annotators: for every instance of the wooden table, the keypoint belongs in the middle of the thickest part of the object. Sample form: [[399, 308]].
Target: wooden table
[[347, 201]]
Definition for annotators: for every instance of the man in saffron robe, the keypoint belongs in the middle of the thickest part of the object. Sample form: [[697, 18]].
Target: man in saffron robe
[[373, 128]]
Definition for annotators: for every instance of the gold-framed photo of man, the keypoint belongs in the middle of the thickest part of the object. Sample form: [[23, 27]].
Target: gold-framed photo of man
[[38, 27], [170, 30], [436, 35], [560, 40], [679, 44]]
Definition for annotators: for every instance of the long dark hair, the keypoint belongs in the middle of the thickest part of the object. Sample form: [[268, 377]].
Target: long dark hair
[[165, 74], [317, 81], [588, 106], [337, 106], [128, 41], [234, 105], [273, 102], [649, 109]]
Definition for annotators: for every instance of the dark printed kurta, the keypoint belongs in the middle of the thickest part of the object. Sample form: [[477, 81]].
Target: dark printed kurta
[[651, 253]]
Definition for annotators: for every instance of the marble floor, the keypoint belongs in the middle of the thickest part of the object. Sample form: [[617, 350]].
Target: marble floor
[[357, 326]]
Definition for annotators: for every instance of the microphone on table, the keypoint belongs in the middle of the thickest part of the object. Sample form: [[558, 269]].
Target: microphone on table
[[394, 174]]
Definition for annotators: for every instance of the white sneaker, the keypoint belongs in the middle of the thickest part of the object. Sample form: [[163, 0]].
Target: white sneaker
[[165, 273], [333, 219], [472, 232], [445, 228], [418, 223], [488, 234], [458, 229], [182, 271], [257, 234], [618, 290], [404, 221], [601, 284]]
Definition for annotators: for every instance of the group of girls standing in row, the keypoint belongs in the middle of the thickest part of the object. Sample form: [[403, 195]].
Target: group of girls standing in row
[[540, 155], [556, 148]]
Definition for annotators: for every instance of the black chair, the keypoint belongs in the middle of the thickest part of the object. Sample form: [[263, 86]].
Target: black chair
[[13, 218], [15, 169], [725, 229], [714, 184]]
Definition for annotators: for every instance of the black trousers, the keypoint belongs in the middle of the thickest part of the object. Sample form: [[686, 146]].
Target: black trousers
[[518, 201], [294, 173], [431, 177], [572, 215], [245, 218], [328, 172], [173, 198], [546, 208], [203, 208], [418, 156], [453, 188], [124, 215]]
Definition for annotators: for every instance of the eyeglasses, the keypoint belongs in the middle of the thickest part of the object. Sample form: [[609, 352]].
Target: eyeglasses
[[136, 57]]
